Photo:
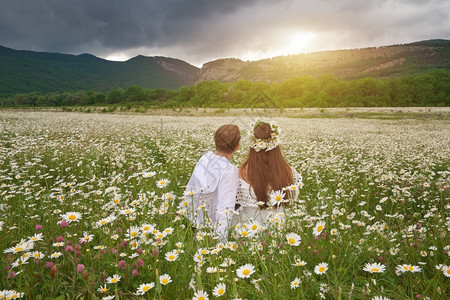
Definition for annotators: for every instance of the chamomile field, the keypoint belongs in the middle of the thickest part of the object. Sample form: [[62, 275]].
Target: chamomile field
[[92, 206]]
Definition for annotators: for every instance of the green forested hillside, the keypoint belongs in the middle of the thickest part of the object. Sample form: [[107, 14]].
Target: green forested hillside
[[27, 71]]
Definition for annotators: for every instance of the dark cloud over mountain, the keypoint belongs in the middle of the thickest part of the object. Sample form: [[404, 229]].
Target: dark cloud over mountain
[[202, 30]]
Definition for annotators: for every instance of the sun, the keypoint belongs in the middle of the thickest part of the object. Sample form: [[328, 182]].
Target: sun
[[287, 43], [119, 56], [298, 42]]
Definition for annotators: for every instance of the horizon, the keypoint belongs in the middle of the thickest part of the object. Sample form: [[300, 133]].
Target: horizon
[[219, 58]]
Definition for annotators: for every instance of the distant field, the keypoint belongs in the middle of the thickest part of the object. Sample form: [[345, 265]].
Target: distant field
[[84, 212], [442, 113]]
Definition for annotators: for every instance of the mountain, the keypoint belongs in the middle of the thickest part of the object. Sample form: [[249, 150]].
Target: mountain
[[388, 61], [28, 71]]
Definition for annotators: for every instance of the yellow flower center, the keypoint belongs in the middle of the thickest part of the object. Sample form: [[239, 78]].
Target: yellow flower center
[[146, 288], [375, 270], [246, 272], [104, 290], [448, 271], [18, 249], [201, 298], [292, 241], [171, 256], [134, 234], [278, 198], [164, 281], [72, 217], [320, 228], [244, 233], [114, 280], [322, 269], [221, 291], [254, 227], [411, 268]]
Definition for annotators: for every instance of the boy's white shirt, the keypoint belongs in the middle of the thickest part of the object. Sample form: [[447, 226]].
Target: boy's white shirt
[[214, 182]]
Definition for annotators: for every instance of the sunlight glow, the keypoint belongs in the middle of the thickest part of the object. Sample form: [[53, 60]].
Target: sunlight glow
[[291, 43], [117, 57]]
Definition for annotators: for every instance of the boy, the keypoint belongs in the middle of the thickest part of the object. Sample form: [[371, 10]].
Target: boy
[[213, 184]]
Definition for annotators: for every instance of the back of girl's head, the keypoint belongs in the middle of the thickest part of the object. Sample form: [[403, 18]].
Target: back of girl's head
[[266, 170], [263, 131], [227, 138]]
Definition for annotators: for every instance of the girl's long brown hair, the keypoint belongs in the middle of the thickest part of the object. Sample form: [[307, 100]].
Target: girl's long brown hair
[[266, 171]]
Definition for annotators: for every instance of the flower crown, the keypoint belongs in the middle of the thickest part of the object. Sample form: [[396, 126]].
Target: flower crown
[[264, 144]]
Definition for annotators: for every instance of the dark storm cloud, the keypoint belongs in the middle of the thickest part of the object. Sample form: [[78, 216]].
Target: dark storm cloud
[[201, 30]]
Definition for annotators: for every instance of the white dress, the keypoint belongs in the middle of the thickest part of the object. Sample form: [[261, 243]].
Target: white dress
[[249, 210]]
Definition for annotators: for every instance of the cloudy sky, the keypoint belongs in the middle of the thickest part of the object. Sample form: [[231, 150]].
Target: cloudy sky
[[199, 31]]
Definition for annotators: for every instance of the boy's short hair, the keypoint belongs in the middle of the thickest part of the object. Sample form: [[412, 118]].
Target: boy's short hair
[[227, 137]]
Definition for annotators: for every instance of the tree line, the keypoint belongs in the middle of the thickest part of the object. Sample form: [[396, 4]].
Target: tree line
[[430, 89]]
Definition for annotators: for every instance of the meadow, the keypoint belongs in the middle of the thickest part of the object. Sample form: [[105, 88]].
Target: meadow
[[92, 206]]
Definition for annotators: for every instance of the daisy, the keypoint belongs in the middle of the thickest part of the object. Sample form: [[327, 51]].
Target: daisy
[[148, 174], [22, 246], [133, 232], [86, 238], [254, 226], [162, 183], [407, 268], [171, 256], [415, 269], [295, 283], [245, 271], [299, 262], [71, 217], [10, 294], [102, 289], [56, 255], [374, 268], [143, 288], [99, 247], [211, 270], [102, 222], [393, 251], [36, 237], [38, 255], [200, 295], [321, 268], [20, 261], [446, 271], [293, 239], [219, 289], [168, 230], [319, 227], [114, 279], [165, 279], [276, 198]]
